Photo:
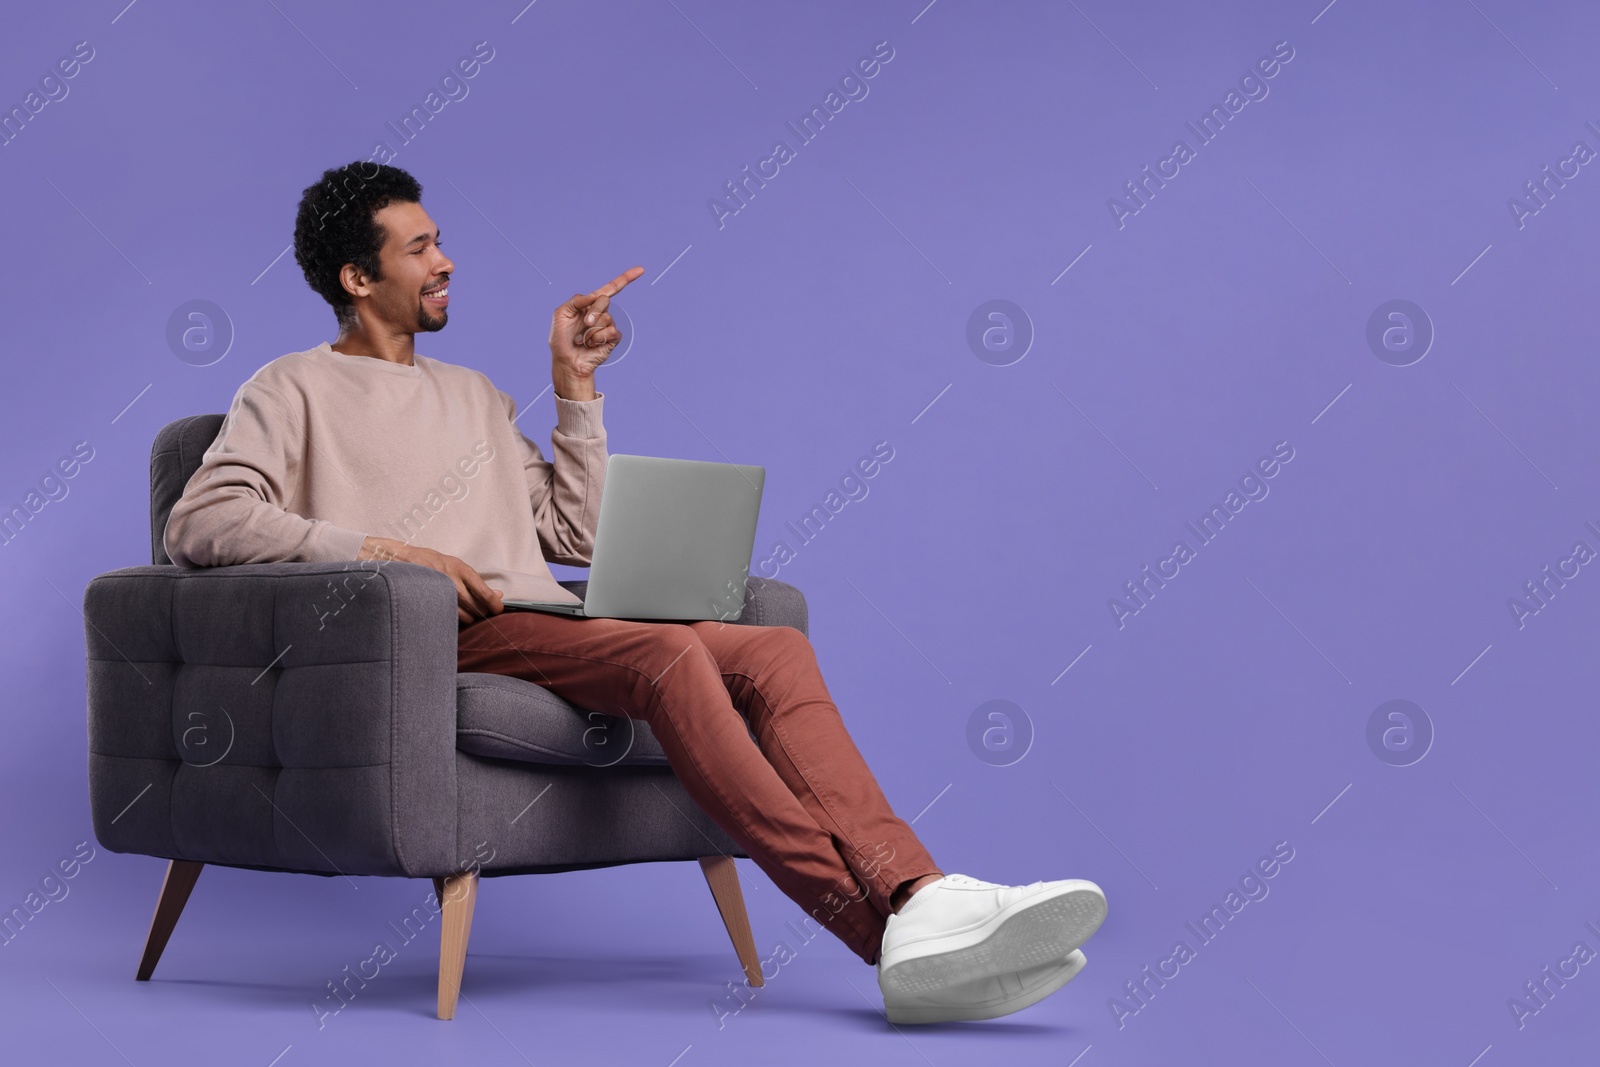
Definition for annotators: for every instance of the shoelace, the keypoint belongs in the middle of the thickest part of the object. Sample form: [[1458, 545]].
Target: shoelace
[[966, 881]]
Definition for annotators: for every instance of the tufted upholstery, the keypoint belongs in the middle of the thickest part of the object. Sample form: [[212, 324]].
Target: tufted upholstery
[[224, 718], [309, 717]]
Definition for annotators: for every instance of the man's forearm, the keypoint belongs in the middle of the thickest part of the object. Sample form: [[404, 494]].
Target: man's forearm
[[565, 491], [569, 386]]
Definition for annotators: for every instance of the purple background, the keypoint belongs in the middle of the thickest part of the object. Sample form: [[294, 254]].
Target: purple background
[[829, 313]]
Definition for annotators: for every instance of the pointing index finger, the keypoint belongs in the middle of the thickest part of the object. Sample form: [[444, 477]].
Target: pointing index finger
[[614, 286]]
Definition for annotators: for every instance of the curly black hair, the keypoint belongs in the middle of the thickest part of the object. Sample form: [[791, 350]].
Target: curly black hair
[[334, 225]]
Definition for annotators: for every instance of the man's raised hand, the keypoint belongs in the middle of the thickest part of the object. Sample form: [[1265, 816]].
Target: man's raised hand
[[582, 335]]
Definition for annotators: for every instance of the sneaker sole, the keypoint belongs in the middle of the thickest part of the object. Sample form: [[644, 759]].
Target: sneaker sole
[[943, 1013], [1031, 932]]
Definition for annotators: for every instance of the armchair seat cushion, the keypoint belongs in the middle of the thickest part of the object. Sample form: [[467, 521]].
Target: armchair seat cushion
[[504, 717]]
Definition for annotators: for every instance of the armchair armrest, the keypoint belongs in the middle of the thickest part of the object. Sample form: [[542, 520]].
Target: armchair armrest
[[284, 716]]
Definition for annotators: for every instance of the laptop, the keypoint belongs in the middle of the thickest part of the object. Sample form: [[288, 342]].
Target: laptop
[[673, 541]]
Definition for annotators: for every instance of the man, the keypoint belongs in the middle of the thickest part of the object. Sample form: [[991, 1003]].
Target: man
[[340, 452]]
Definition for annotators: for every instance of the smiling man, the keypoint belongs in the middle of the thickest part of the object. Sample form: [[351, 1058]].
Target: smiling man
[[323, 448]]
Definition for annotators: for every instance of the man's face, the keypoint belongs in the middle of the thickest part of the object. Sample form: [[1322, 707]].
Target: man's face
[[412, 265]]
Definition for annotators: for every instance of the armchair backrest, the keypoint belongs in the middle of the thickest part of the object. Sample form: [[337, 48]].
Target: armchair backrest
[[174, 458]]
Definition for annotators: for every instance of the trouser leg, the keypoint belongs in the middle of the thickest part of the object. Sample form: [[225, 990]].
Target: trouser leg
[[772, 675], [664, 674]]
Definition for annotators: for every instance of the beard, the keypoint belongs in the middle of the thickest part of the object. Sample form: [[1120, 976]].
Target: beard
[[428, 322]]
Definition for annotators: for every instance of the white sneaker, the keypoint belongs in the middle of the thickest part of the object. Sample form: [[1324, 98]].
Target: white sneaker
[[960, 929], [989, 998]]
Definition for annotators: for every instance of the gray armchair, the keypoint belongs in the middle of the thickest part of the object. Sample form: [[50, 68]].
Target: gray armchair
[[309, 717]]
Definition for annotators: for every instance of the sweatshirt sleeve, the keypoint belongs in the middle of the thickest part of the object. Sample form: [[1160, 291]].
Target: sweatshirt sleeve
[[565, 494], [232, 510]]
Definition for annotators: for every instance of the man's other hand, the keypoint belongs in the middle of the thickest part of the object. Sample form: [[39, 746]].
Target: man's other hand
[[474, 599]]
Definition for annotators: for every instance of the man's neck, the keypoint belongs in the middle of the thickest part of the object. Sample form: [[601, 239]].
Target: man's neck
[[395, 348]]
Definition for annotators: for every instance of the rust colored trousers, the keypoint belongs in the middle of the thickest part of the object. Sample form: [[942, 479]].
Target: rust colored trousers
[[799, 798]]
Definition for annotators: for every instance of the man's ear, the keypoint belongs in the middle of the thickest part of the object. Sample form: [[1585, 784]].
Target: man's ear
[[354, 280]]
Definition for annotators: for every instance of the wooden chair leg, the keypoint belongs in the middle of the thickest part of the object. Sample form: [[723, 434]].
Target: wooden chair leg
[[723, 879], [175, 888], [457, 900], [438, 894]]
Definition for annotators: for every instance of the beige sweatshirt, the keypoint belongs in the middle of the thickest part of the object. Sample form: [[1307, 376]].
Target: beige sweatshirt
[[320, 449]]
